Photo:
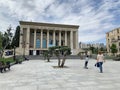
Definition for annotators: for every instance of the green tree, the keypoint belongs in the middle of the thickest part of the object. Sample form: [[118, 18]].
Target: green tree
[[47, 55], [113, 49], [92, 49], [15, 40], [102, 49], [6, 40], [60, 52], [1, 36]]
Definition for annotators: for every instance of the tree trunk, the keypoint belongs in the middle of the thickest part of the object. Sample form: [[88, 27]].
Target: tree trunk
[[48, 60], [63, 62], [59, 61]]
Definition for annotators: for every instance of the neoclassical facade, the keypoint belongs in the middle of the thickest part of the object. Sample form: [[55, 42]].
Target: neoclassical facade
[[37, 37]]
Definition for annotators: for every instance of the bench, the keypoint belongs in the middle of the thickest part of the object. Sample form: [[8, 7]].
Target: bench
[[3, 66]]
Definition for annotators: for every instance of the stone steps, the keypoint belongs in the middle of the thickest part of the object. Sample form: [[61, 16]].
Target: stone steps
[[31, 57]]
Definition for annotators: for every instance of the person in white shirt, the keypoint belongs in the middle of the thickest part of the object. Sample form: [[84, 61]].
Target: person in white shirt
[[86, 62], [100, 60]]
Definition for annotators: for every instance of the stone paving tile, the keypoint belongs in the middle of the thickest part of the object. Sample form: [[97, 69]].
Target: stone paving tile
[[25, 88], [40, 75]]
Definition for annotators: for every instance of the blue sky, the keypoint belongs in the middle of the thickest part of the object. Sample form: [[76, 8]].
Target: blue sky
[[95, 17]]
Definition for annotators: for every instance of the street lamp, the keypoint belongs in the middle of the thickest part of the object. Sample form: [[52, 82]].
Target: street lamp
[[23, 49], [23, 43], [14, 57]]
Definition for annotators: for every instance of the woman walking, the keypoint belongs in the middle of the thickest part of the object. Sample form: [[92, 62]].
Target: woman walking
[[100, 60]]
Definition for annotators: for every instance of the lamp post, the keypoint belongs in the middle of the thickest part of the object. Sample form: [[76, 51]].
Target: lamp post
[[23, 43], [24, 49], [14, 57]]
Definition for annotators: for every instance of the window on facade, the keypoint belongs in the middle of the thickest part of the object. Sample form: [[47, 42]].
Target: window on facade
[[51, 33], [32, 32], [57, 42], [62, 34], [62, 42], [50, 41], [44, 43], [117, 30], [24, 28], [119, 43], [38, 32], [38, 43], [44, 33], [118, 37], [56, 34]]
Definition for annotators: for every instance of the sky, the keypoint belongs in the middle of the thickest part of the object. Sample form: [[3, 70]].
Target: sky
[[95, 17]]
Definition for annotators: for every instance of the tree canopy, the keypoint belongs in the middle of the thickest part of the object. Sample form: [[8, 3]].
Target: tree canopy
[[113, 49], [1, 36], [15, 40], [60, 52], [6, 40]]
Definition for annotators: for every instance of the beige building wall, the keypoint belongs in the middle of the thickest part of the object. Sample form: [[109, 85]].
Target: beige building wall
[[36, 37], [113, 37]]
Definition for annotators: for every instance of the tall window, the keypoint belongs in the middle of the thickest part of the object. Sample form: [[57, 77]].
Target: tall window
[[51, 33], [118, 37], [57, 42], [44, 43], [62, 42], [117, 30], [38, 43], [50, 41]]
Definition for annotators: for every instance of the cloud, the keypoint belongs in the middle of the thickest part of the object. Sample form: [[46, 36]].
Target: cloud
[[95, 17]]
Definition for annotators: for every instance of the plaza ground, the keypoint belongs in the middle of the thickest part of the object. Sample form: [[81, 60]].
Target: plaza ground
[[41, 75]]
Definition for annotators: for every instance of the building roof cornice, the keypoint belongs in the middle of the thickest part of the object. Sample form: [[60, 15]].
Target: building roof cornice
[[113, 30], [48, 24]]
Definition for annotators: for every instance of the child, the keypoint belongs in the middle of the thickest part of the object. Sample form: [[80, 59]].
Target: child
[[86, 62]]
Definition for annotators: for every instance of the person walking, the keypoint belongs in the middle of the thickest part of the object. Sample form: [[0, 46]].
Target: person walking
[[86, 62], [100, 60]]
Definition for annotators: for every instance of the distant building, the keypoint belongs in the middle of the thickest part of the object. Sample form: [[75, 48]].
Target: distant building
[[113, 37], [37, 37], [87, 46], [83, 45]]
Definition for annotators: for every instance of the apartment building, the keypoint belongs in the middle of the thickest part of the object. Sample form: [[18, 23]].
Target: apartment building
[[113, 37]]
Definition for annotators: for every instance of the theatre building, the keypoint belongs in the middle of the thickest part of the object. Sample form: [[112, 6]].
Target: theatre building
[[37, 37]]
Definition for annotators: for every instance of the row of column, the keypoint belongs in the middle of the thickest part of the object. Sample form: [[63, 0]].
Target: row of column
[[53, 38], [28, 38]]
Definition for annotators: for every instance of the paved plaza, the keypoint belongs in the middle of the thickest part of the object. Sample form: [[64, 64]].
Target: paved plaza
[[40, 75]]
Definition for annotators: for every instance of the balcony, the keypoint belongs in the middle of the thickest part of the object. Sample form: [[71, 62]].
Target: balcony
[[119, 39], [114, 40]]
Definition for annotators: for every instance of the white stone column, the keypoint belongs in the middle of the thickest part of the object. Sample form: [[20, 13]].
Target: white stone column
[[59, 38], [47, 38], [21, 38], [34, 38], [53, 37], [28, 38], [77, 44], [71, 39], [27, 43], [41, 39], [65, 38]]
